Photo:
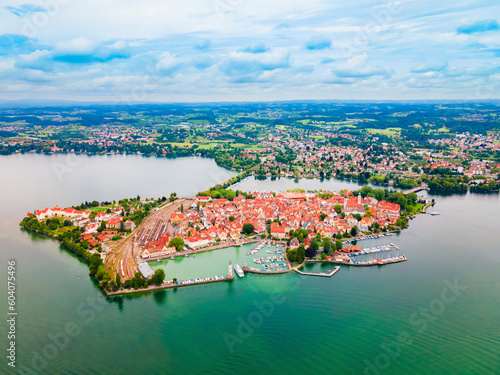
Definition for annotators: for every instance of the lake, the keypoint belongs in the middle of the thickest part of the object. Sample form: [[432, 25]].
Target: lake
[[435, 313]]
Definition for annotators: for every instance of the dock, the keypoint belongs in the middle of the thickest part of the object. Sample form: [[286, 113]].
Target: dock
[[335, 270], [265, 272], [380, 262], [350, 262]]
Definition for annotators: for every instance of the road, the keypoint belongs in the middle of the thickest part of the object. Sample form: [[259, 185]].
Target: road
[[123, 260]]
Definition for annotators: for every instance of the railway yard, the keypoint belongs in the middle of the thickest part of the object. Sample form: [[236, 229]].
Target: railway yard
[[123, 258]]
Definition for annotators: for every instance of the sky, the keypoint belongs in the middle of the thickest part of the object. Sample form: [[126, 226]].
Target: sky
[[249, 50]]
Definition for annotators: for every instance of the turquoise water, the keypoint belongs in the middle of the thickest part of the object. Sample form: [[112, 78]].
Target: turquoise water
[[260, 323], [212, 263]]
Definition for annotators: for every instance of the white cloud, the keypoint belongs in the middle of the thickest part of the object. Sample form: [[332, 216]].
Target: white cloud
[[168, 64], [77, 46], [240, 49]]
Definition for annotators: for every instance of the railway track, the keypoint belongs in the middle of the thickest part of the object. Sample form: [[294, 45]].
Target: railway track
[[124, 258]]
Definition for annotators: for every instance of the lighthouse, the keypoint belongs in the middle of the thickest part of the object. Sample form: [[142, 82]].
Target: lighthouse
[[230, 274]]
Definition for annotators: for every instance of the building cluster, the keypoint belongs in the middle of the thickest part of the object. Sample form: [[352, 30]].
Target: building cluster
[[113, 222], [212, 221], [466, 141]]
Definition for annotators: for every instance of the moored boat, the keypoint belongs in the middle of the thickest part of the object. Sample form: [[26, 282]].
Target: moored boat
[[238, 270]]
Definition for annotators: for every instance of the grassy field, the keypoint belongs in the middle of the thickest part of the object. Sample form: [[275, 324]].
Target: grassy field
[[390, 132], [211, 145]]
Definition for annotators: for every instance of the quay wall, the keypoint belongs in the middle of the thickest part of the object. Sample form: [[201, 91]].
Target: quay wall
[[167, 285]]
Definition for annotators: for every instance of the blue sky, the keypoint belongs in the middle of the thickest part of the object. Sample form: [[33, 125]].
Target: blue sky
[[249, 50]]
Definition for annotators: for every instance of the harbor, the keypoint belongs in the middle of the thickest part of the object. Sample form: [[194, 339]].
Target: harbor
[[263, 257], [207, 263]]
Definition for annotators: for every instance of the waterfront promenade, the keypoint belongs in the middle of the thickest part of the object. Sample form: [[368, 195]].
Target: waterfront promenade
[[170, 285]]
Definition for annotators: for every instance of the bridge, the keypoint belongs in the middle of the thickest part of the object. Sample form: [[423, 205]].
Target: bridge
[[415, 190]]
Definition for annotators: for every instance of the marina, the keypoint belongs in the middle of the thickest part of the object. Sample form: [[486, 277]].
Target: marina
[[204, 264]]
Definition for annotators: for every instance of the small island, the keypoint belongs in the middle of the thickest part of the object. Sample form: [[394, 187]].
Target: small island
[[119, 238]]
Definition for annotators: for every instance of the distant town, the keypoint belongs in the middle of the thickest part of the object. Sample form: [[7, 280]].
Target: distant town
[[452, 148]]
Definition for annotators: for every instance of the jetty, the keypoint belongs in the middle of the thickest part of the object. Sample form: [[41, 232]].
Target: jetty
[[379, 262], [323, 274], [265, 272], [172, 285]]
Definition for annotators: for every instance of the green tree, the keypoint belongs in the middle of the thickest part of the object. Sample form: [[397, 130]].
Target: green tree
[[379, 194], [101, 272], [327, 246], [398, 198], [301, 253], [248, 228], [177, 242], [338, 208], [118, 280], [229, 195], [158, 277], [102, 227], [412, 199], [231, 218], [338, 245], [315, 244]]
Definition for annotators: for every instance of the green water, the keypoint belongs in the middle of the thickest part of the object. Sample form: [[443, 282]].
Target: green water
[[212, 263], [260, 323]]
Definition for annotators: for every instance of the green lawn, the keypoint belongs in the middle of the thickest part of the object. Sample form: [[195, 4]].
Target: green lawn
[[390, 132]]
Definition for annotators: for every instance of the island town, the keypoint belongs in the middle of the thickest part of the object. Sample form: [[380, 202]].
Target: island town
[[287, 230], [432, 149]]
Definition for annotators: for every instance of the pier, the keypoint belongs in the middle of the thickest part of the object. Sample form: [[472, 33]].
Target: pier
[[330, 274], [169, 285], [265, 272], [378, 262]]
